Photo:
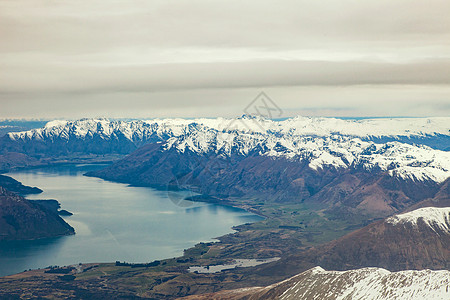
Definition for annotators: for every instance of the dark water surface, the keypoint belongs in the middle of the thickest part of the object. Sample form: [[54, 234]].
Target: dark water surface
[[114, 221]]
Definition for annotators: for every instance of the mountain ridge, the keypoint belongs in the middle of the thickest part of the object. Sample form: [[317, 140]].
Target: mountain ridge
[[366, 283], [323, 142]]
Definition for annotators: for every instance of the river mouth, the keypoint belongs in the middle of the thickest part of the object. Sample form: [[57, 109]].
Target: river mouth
[[114, 221]]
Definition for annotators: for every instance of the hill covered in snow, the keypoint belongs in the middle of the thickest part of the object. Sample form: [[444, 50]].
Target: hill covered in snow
[[359, 284], [397, 146]]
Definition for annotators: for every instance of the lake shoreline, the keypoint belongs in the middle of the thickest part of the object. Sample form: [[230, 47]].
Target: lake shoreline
[[230, 229]]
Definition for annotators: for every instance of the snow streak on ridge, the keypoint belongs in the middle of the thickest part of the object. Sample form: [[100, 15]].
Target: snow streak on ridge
[[368, 284], [434, 217]]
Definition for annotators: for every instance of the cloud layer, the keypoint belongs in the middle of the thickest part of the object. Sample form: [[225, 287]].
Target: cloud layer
[[207, 58]]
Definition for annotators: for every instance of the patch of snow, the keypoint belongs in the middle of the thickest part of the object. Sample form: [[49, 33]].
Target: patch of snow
[[55, 123]]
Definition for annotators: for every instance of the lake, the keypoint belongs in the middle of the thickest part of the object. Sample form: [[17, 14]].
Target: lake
[[115, 221]]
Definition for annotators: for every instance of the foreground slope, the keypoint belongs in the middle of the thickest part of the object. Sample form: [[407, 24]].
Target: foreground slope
[[364, 284]]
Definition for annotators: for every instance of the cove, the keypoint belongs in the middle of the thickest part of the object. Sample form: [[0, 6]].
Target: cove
[[115, 221]]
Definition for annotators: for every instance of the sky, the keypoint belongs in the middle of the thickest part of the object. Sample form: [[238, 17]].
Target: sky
[[208, 58]]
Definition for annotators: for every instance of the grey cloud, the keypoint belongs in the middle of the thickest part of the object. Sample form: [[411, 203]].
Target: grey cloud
[[88, 26], [88, 55], [364, 100], [152, 78]]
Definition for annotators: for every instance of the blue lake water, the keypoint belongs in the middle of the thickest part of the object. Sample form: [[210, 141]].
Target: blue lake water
[[115, 221]]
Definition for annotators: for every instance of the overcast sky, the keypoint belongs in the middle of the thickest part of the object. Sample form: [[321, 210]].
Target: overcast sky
[[146, 59]]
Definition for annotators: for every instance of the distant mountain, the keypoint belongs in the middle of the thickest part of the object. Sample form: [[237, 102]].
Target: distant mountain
[[101, 136], [359, 284], [348, 166], [21, 219], [440, 199]]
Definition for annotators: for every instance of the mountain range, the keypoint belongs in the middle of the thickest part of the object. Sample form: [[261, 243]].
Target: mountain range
[[375, 166], [393, 171], [62, 137]]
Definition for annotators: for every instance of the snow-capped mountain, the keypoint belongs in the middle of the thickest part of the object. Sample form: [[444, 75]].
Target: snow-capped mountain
[[415, 162], [342, 162], [303, 126], [384, 144], [433, 217], [368, 283], [363, 284]]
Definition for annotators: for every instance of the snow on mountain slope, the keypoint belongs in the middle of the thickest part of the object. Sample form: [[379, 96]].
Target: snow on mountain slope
[[322, 141], [293, 126], [400, 160], [368, 283], [370, 127], [358, 284], [316, 126], [84, 128], [432, 216]]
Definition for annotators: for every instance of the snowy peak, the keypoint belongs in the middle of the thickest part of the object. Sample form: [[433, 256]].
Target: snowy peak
[[434, 217]]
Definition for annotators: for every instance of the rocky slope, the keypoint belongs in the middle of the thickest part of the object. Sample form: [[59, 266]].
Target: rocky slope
[[366, 283], [21, 219]]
